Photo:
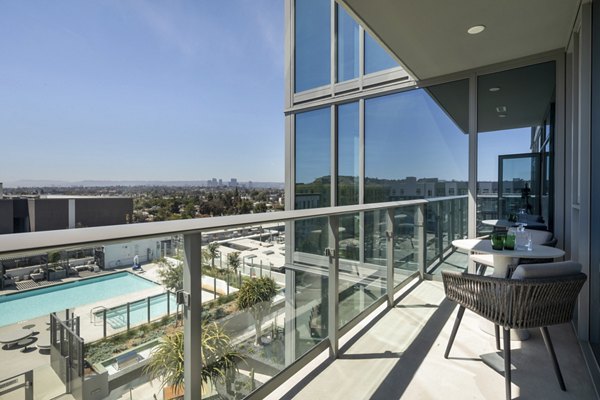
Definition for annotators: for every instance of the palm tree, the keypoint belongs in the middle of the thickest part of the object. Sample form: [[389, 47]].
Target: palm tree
[[212, 251], [233, 259], [256, 295], [218, 357]]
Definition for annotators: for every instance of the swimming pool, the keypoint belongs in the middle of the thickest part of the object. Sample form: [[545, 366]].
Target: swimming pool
[[35, 303], [138, 311]]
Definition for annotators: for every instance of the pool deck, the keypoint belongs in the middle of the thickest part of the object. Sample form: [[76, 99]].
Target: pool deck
[[14, 362]]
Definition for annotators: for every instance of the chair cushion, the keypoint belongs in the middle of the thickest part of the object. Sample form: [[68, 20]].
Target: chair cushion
[[546, 270]]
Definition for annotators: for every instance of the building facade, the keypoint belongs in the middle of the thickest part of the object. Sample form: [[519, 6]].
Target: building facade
[[36, 214], [365, 125]]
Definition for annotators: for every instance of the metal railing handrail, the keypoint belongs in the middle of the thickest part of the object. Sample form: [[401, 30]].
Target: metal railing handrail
[[19, 244]]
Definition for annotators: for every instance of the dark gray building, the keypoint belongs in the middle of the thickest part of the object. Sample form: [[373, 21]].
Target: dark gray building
[[34, 214]]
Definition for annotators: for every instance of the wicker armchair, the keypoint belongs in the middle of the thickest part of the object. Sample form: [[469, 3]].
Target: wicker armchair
[[518, 304]]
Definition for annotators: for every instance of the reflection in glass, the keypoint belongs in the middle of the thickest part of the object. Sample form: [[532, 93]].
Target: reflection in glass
[[312, 44], [313, 155], [376, 57], [311, 310], [415, 144], [347, 46], [515, 115], [348, 147], [313, 179], [361, 284], [349, 235], [406, 243]]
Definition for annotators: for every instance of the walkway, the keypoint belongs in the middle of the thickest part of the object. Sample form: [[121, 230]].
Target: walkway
[[400, 356]]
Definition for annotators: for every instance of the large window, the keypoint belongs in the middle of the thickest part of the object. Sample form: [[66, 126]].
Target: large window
[[313, 51], [416, 145], [515, 123], [347, 46], [313, 155], [313, 65], [313, 177], [376, 58], [348, 148]]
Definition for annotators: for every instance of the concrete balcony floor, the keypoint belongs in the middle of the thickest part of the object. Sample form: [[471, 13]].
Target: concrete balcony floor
[[399, 355]]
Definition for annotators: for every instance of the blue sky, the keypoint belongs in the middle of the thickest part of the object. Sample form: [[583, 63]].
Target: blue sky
[[169, 90]]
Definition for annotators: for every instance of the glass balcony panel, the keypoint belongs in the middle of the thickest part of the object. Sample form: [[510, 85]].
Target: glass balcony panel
[[361, 284], [433, 234], [406, 244], [244, 307]]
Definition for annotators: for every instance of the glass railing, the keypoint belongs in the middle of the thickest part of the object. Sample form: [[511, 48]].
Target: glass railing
[[275, 290]]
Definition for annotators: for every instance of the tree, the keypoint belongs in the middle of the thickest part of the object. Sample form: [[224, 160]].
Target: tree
[[218, 357], [211, 252], [233, 259], [256, 295], [171, 276], [260, 208]]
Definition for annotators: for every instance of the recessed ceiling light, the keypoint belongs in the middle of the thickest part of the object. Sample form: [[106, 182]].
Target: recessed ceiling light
[[474, 30], [494, 89], [502, 115]]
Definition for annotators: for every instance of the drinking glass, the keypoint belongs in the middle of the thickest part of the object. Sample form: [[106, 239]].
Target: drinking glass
[[498, 241]]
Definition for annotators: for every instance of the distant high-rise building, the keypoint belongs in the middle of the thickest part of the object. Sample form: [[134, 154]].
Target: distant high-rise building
[[233, 182]]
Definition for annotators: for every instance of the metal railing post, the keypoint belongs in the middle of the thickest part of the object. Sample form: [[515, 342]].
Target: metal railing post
[[420, 219], [104, 323], [333, 283], [149, 307], [214, 287], [192, 318], [390, 255], [168, 302], [29, 385], [451, 222], [440, 230], [128, 321]]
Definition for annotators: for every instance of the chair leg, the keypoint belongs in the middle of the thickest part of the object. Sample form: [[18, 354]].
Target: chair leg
[[497, 333], [550, 348], [507, 378], [461, 311]]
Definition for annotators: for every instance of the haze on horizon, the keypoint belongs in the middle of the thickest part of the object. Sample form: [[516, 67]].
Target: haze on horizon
[[142, 90]]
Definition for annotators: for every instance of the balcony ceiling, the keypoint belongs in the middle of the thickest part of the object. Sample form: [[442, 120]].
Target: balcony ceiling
[[430, 39]]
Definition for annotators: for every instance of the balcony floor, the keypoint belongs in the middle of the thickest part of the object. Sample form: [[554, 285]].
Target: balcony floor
[[399, 354]]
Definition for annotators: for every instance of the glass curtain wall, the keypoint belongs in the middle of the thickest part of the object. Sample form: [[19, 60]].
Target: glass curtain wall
[[416, 144], [376, 58], [347, 46], [515, 114], [313, 43], [312, 56], [313, 177]]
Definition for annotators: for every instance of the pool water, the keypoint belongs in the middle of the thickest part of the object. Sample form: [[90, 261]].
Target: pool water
[[138, 311], [35, 303]]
